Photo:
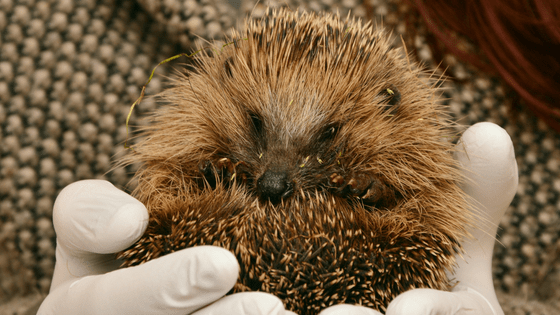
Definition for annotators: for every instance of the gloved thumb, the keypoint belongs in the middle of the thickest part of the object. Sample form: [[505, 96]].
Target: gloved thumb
[[435, 302]]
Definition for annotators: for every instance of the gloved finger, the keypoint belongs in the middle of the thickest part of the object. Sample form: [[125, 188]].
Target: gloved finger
[[178, 283], [246, 303], [94, 216], [346, 309], [486, 153], [491, 168], [435, 302]]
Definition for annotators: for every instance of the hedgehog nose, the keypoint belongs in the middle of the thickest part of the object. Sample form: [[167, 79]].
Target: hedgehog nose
[[274, 185]]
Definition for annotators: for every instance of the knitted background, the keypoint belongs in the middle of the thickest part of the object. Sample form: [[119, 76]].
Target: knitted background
[[69, 71]]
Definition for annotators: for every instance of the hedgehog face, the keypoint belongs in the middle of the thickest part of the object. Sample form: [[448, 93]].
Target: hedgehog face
[[283, 154], [313, 151]]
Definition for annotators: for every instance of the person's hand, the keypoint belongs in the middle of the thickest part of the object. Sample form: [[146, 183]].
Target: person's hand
[[486, 154], [93, 220]]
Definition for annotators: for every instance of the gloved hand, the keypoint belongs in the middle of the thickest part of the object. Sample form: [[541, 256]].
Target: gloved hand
[[93, 220], [490, 166]]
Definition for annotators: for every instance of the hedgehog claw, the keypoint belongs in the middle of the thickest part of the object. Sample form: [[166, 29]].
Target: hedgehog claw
[[359, 184], [337, 180], [242, 169], [380, 194], [222, 168], [225, 163], [369, 193], [374, 191], [364, 186], [353, 187], [225, 169]]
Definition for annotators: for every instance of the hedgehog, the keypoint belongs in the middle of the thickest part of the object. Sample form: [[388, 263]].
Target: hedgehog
[[314, 151]]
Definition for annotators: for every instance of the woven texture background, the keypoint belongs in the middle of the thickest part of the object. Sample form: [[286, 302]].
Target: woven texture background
[[69, 71]]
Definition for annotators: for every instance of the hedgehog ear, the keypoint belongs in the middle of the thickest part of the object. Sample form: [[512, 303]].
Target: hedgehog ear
[[391, 96]]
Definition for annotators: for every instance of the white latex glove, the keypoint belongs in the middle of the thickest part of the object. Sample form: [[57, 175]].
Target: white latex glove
[[93, 220], [491, 167]]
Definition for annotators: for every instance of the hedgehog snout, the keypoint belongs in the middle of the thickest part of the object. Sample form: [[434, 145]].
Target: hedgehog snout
[[274, 185]]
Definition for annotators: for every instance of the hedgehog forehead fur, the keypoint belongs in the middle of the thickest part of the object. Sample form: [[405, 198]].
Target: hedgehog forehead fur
[[306, 137]]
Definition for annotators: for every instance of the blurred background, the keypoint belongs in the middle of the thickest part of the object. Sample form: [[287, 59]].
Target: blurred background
[[70, 70]]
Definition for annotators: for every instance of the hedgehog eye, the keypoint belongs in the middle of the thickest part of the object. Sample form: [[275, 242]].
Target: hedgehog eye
[[391, 96], [257, 123], [227, 66], [329, 133]]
